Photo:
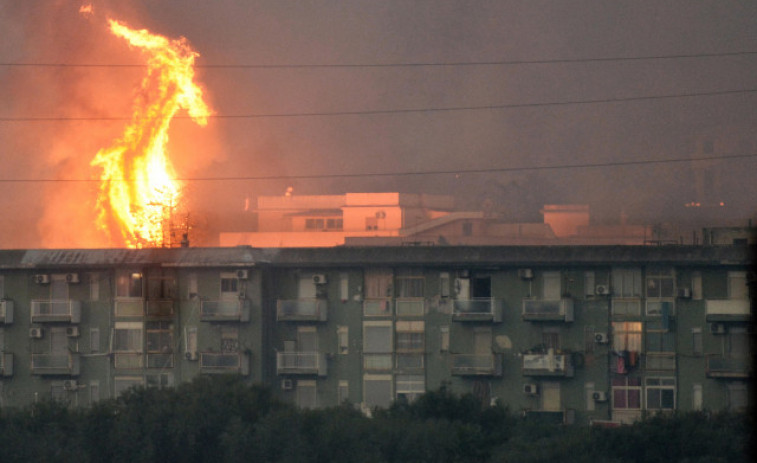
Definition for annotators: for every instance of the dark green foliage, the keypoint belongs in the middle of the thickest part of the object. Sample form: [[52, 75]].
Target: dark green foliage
[[224, 419]]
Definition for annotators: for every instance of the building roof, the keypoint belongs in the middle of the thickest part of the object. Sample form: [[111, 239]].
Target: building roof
[[475, 256]]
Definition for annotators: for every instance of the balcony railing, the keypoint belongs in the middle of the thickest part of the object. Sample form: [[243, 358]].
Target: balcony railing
[[225, 362], [126, 360], [315, 310], [541, 310], [727, 310], [129, 307], [301, 363], [410, 306], [547, 365], [55, 364], [728, 366], [56, 310], [237, 310], [660, 361], [6, 364], [485, 309], [160, 308], [6, 312], [161, 360], [377, 307], [477, 364]]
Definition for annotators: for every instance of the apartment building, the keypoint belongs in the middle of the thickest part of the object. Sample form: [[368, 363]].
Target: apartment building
[[565, 333]]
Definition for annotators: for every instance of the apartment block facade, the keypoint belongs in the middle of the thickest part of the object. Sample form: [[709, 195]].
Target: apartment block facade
[[565, 333]]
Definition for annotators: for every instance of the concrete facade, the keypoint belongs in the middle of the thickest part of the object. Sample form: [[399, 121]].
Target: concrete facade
[[570, 333]]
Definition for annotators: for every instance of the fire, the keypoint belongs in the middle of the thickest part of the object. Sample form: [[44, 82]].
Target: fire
[[138, 190]]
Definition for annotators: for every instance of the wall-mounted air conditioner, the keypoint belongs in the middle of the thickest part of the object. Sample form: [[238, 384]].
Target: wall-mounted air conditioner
[[599, 396], [42, 279], [287, 385], [530, 389], [601, 338], [319, 278], [602, 290], [242, 274], [35, 333], [72, 331], [72, 278]]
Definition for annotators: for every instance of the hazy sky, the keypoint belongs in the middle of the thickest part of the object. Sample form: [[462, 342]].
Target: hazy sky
[[277, 71]]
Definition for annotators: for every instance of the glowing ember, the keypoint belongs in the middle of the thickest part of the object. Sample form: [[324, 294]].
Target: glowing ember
[[138, 192]]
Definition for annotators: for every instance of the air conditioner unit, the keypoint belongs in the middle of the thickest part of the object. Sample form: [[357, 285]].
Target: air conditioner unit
[[718, 328], [684, 293], [42, 279], [35, 333], [601, 338], [319, 278], [70, 385], [242, 274], [72, 278], [530, 389], [191, 356], [526, 273], [599, 396], [287, 384], [602, 290], [72, 331]]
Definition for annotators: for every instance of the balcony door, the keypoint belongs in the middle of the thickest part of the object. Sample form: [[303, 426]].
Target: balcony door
[[306, 287], [550, 396], [58, 295], [551, 288]]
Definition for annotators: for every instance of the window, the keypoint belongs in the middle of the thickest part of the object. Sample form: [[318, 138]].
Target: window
[[444, 284], [658, 338], [737, 288], [190, 339], [409, 361], [229, 285], [589, 396], [94, 340], [94, 391], [410, 387], [410, 336], [660, 393], [378, 284], [161, 284], [342, 334], [94, 287], [344, 286], [626, 393], [410, 286], [696, 285], [663, 309], [626, 336], [589, 283], [551, 290], [626, 282], [660, 282], [127, 337], [444, 338], [696, 397], [696, 341], [550, 338], [738, 396], [377, 390], [159, 344], [160, 380], [377, 345], [343, 391], [129, 284], [306, 394]]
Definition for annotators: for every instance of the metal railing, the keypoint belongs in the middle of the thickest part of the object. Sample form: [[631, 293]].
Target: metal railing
[[476, 364], [477, 308], [54, 310], [557, 310], [308, 363], [237, 310]]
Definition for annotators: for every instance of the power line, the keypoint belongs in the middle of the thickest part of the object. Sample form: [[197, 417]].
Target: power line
[[402, 111], [415, 173], [401, 65]]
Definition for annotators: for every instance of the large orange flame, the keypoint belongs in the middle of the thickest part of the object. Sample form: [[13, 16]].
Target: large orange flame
[[138, 191]]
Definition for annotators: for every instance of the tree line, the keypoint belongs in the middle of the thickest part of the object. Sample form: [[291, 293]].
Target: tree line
[[223, 419]]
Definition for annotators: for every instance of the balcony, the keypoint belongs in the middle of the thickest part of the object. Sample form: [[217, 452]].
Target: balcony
[[727, 366], [302, 310], [56, 310], [129, 307], [660, 361], [727, 310], [161, 360], [547, 365], [6, 365], [301, 363], [6, 312], [536, 310], [477, 364], [160, 308], [479, 309], [127, 360], [377, 307], [237, 310], [55, 364], [225, 362], [410, 306]]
